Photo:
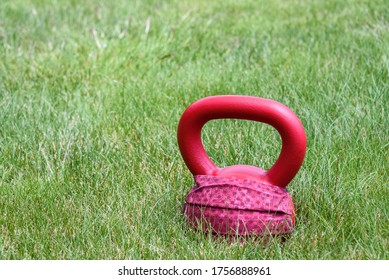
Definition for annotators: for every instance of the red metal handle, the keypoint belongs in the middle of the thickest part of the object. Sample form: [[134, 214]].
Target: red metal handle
[[248, 108]]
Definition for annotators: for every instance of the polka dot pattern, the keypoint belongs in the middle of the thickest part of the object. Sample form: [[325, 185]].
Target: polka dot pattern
[[236, 206]]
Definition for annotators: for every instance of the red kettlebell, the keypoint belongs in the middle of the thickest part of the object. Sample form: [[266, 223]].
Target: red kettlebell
[[241, 199]]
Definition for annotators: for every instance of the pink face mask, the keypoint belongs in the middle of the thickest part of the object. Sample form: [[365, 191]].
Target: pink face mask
[[241, 199]]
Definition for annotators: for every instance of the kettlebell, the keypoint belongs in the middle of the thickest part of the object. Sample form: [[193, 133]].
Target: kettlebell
[[241, 199]]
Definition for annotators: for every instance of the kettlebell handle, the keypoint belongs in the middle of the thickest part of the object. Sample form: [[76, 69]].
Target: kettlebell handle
[[247, 108]]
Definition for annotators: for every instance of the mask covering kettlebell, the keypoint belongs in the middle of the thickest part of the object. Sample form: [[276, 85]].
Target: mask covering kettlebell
[[241, 199]]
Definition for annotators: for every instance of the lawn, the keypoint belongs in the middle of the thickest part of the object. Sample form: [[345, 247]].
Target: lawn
[[91, 93]]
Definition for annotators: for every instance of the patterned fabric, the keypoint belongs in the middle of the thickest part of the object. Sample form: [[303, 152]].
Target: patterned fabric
[[236, 206]]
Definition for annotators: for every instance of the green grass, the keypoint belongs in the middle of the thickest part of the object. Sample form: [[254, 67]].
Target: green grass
[[91, 93]]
